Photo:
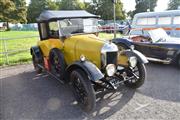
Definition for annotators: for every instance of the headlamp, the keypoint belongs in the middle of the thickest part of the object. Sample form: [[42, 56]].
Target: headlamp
[[110, 69], [133, 61]]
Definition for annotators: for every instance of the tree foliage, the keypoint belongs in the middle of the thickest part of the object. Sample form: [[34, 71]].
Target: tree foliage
[[173, 4], [20, 13], [104, 8], [37, 6], [71, 5], [13, 11], [144, 5]]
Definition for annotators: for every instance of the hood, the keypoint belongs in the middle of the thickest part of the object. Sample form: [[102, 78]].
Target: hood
[[89, 46]]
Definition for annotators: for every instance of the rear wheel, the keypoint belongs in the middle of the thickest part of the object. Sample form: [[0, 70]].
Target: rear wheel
[[83, 90], [139, 75], [57, 63], [35, 64]]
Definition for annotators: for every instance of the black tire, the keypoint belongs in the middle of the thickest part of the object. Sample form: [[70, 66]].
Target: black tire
[[83, 90], [178, 61], [57, 63], [35, 64], [136, 83]]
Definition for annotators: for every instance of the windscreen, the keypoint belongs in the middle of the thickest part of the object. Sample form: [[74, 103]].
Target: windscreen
[[78, 25], [158, 35]]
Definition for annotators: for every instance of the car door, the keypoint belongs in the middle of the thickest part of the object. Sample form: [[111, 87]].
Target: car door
[[144, 48], [158, 50]]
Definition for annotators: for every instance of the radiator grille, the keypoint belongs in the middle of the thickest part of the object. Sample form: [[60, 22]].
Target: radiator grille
[[111, 58]]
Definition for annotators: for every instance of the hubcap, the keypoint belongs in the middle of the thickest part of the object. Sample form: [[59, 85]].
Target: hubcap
[[55, 64]]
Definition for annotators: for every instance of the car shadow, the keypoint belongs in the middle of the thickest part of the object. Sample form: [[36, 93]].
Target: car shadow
[[109, 102], [163, 82], [31, 96]]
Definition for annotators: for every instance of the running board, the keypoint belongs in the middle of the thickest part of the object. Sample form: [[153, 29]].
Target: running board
[[51, 74], [168, 61]]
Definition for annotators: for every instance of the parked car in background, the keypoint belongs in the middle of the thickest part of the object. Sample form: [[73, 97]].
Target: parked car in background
[[168, 20], [110, 27], [155, 44], [70, 51]]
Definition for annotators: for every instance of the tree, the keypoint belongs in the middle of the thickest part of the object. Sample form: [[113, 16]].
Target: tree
[[7, 7], [71, 5], [104, 8], [144, 6], [173, 4], [37, 6], [20, 13], [130, 14], [91, 7], [13, 11]]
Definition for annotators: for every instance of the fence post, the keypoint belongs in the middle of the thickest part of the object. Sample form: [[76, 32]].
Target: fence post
[[6, 53]]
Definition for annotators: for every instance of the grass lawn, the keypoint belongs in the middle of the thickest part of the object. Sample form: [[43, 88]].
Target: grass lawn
[[23, 45]]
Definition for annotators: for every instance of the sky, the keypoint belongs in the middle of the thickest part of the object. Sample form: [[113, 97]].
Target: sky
[[130, 4]]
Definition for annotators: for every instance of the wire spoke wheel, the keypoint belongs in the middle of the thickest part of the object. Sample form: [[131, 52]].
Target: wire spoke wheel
[[57, 63], [56, 67], [137, 75], [83, 90], [79, 88]]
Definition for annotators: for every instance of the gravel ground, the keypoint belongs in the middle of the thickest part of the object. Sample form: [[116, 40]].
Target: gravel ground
[[25, 95]]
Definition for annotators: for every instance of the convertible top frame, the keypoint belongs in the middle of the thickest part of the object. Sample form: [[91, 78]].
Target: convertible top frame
[[52, 15]]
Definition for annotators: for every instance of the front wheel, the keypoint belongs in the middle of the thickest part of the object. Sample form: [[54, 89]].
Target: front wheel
[[137, 75], [83, 90]]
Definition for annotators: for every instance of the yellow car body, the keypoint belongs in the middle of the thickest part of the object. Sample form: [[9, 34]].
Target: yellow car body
[[88, 45]]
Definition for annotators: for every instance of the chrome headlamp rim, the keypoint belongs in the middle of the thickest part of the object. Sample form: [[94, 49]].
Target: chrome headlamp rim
[[133, 61], [110, 69]]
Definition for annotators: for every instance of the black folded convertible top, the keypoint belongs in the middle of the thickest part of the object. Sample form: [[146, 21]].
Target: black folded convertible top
[[49, 15]]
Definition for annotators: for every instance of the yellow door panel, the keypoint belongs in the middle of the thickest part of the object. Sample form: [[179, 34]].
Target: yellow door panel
[[47, 45]]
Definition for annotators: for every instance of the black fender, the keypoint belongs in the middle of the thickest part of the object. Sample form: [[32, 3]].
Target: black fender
[[88, 67], [141, 58], [36, 51], [122, 41]]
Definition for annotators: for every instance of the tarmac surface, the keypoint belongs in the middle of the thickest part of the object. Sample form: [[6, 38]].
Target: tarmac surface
[[25, 95]]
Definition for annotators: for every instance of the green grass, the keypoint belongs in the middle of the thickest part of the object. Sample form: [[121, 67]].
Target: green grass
[[24, 43], [17, 34], [17, 44]]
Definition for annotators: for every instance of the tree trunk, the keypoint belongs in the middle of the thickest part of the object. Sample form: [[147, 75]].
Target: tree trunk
[[7, 26]]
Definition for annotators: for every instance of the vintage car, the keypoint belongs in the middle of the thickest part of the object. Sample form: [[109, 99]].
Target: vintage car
[[155, 44], [71, 52]]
